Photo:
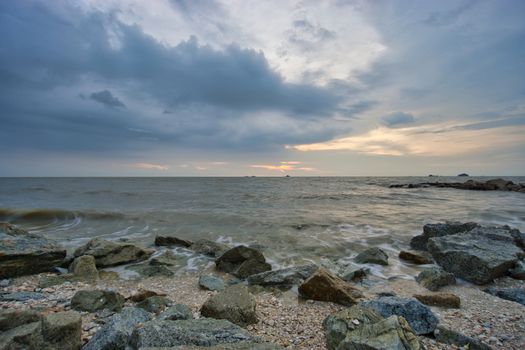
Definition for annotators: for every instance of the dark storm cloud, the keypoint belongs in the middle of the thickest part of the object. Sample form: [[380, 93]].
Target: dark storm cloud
[[52, 52], [107, 99], [398, 118]]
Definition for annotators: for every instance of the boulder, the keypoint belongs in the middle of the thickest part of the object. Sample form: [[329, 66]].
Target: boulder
[[447, 300], [172, 241], [434, 278], [362, 328], [207, 247], [234, 304], [372, 256], [285, 278], [513, 294], [242, 262], [24, 253], [84, 268], [440, 230], [107, 253], [63, 330], [479, 256], [155, 304], [355, 275], [169, 259], [12, 318], [202, 332], [211, 282], [25, 336], [93, 300], [143, 294], [415, 258], [420, 318], [114, 335], [176, 312], [450, 336], [325, 286]]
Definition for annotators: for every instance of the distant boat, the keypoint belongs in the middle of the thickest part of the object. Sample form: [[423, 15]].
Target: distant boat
[[287, 176], [463, 174]]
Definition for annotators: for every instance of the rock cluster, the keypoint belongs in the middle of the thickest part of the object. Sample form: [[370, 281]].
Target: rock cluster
[[107, 253], [489, 185], [242, 262]]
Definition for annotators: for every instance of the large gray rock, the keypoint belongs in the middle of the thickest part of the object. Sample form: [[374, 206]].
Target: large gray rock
[[359, 327], [210, 282], [207, 247], [201, 332], [513, 294], [242, 262], [26, 336], [93, 300], [518, 271], [84, 268], [107, 253], [24, 253], [434, 278], [325, 286], [234, 303], [439, 230], [372, 256], [114, 335], [479, 256], [63, 330], [420, 318], [284, 277], [176, 312]]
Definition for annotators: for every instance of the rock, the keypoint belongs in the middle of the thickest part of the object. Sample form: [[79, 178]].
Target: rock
[[22, 296], [84, 268], [63, 330], [449, 336], [324, 286], [415, 258], [201, 332], [478, 256], [440, 230], [169, 259], [23, 253], [434, 278], [234, 304], [170, 241], [149, 270], [518, 271], [362, 328], [242, 262], [25, 336], [176, 312], [372, 256], [12, 318], [114, 335], [419, 317], [154, 304], [490, 185], [355, 275], [5, 283], [107, 253], [447, 300], [143, 294], [207, 247], [513, 294], [53, 280], [210, 282], [285, 278], [93, 300], [463, 174]]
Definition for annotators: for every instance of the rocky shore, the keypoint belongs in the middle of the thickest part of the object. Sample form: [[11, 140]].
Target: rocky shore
[[489, 185], [470, 294]]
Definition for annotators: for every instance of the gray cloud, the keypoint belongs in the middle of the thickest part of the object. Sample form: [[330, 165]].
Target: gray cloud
[[106, 98], [398, 118]]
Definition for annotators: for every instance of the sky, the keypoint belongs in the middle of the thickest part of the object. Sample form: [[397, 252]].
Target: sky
[[267, 88]]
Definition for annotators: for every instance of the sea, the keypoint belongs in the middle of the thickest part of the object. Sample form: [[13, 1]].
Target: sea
[[294, 220]]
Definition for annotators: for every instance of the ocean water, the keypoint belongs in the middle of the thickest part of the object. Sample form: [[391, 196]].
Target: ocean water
[[295, 220]]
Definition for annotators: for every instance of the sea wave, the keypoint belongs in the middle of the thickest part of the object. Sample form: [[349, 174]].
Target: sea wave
[[52, 214]]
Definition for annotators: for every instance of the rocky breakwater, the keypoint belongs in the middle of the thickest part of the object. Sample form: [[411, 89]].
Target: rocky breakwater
[[472, 252], [24, 253], [489, 185]]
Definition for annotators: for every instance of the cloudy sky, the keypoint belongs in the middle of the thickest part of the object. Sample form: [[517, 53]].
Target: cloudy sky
[[240, 87]]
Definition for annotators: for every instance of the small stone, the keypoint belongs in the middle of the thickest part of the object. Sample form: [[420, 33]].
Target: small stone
[[212, 283], [439, 299], [155, 304], [372, 256]]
